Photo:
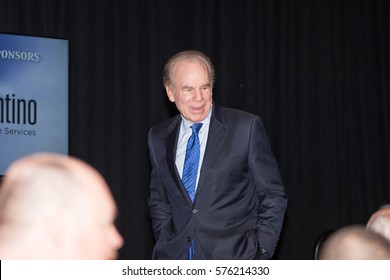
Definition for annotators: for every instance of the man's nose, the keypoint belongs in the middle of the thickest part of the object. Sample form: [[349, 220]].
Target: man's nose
[[117, 239], [198, 95]]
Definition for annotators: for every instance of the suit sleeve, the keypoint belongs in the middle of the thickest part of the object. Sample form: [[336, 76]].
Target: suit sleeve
[[272, 199], [159, 207]]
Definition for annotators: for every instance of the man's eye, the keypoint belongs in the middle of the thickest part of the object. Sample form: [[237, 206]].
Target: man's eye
[[187, 90]]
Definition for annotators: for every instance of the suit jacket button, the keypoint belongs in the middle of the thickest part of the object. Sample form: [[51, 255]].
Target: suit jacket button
[[194, 211]]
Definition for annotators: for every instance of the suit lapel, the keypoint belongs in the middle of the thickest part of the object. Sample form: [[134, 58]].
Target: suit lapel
[[171, 146], [217, 132]]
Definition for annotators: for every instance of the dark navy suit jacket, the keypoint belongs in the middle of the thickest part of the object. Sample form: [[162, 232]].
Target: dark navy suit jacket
[[240, 199]]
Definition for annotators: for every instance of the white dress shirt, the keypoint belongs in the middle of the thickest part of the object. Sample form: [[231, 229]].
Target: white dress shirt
[[184, 135]]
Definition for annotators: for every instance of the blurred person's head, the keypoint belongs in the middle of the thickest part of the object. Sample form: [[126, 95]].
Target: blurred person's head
[[56, 207], [380, 221], [354, 243]]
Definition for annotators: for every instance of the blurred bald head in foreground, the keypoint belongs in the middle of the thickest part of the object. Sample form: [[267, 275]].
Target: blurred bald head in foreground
[[355, 243], [56, 207], [380, 221]]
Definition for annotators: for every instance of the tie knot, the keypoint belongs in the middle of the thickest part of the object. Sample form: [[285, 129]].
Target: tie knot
[[196, 127]]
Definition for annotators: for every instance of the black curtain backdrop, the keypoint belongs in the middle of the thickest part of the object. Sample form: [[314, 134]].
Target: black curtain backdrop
[[317, 72]]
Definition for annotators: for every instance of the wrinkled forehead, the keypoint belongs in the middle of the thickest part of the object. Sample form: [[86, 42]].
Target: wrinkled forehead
[[189, 62], [185, 70]]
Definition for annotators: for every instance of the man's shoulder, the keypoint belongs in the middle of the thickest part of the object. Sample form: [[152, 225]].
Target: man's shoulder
[[166, 125]]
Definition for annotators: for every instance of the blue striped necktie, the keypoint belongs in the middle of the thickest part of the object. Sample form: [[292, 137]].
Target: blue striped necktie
[[190, 170]]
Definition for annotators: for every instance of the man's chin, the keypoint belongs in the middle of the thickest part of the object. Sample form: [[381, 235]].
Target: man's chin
[[196, 118]]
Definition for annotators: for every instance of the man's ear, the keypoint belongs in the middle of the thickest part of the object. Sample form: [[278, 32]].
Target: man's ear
[[171, 95]]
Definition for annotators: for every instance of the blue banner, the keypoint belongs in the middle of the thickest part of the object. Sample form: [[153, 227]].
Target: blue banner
[[34, 88]]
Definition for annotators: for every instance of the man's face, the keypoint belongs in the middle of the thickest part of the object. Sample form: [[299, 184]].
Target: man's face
[[191, 90], [105, 238], [99, 238]]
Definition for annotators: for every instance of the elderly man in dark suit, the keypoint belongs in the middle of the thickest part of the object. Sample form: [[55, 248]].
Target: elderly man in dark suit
[[216, 190]]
